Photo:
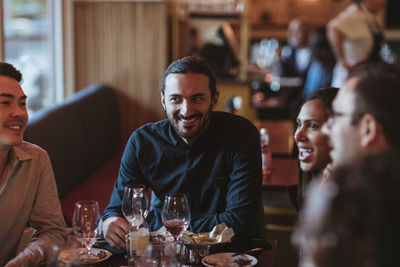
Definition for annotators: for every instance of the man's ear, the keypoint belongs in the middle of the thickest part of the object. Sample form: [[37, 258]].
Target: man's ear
[[163, 100], [369, 130], [215, 99]]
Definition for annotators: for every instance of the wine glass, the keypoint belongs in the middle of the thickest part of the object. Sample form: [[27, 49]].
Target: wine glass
[[135, 201], [87, 224], [175, 214]]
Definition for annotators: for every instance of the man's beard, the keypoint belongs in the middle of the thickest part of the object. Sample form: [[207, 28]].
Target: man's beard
[[190, 136]]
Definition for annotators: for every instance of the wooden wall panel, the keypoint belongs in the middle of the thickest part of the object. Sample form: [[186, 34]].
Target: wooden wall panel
[[319, 12], [123, 44]]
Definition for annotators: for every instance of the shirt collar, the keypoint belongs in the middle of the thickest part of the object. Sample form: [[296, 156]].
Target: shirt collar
[[20, 153], [172, 134]]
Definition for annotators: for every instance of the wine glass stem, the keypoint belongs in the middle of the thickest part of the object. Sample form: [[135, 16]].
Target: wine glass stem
[[88, 253]]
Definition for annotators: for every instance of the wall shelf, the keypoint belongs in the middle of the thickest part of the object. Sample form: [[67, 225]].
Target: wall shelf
[[215, 15], [236, 12]]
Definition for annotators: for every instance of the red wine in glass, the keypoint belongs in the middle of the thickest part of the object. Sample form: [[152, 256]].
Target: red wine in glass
[[176, 227], [176, 214]]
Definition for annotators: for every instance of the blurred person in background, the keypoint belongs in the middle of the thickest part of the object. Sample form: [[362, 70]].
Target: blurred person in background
[[312, 144], [352, 220], [319, 73], [194, 43], [296, 55], [28, 192], [356, 37], [365, 118]]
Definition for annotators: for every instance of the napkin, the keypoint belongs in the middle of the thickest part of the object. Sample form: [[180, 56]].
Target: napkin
[[222, 232]]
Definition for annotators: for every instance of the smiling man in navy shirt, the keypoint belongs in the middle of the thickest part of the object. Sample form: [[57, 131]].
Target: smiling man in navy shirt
[[213, 157]]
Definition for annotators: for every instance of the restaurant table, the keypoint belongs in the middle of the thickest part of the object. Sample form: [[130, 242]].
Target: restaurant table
[[265, 259]]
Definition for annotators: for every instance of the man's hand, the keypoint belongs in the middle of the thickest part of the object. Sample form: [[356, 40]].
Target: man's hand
[[115, 229], [32, 255], [327, 172]]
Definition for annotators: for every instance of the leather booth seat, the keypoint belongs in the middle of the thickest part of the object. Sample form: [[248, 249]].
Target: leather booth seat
[[82, 136]]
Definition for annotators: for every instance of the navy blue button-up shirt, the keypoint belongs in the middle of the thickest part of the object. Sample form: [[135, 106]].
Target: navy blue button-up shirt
[[220, 172]]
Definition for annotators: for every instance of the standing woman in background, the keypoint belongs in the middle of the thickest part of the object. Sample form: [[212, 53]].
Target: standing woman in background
[[356, 37], [312, 144], [323, 61]]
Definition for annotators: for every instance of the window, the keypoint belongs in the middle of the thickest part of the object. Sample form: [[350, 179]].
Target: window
[[30, 44]]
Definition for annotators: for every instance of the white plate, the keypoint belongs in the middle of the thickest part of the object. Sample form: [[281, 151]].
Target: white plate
[[70, 255], [227, 259]]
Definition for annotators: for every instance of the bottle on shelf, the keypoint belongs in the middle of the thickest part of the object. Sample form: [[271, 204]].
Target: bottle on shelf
[[266, 156]]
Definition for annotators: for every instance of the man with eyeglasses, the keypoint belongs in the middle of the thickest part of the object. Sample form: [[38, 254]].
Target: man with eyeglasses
[[366, 111]]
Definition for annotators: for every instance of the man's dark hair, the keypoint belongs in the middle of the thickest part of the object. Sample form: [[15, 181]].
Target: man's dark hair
[[9, 70], [191, 64], [378, 93], [326, 96]]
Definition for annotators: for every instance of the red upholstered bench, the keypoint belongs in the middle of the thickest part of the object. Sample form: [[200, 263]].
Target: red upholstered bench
[[97, 187]]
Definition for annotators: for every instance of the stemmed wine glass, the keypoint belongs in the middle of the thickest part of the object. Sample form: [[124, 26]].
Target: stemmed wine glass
[[135, 201], [87, 223], [176, 214]]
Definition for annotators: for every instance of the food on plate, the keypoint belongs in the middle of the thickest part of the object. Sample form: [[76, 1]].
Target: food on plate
[[79, 255], [203, 238], [242, 262], [69, 255], [101, 254], [227, 260]]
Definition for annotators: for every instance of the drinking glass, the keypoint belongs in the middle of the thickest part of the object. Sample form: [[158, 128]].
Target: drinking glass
[[87, 224], [176, 214], [137, 238], [135, 201]]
